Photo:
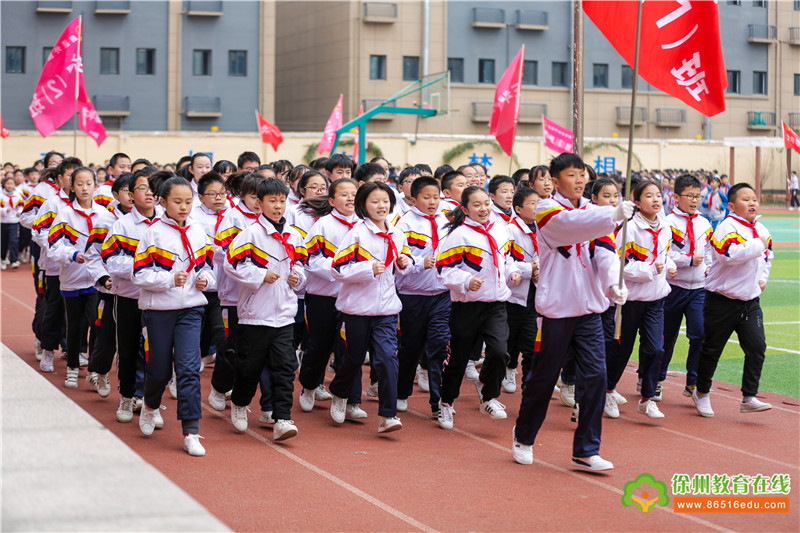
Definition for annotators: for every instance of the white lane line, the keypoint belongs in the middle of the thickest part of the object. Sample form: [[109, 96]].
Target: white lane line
[[683, 329], [20, 302], [327, 475]]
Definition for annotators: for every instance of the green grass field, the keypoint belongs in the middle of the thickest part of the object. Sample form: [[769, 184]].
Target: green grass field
[[781, 305]]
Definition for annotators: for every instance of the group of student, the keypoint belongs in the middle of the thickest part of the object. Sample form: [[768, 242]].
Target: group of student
[[264, 268]]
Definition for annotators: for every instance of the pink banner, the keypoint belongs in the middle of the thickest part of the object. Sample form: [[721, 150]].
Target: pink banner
[[505, 111], [556, 138], [334, 123], [90, 122]]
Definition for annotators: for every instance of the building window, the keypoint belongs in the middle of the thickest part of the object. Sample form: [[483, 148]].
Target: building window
[[456, 67], [759, 82], [797, 84], [145, 61], [734, 2], [486, 70], [410, 68], [109, 61], [759, 3], [201, 63], [626, 80], [15, 59], [734, 82], [600, 75], [377, 67], [560, 78], [46, 53], [530, 73], [237, 63]]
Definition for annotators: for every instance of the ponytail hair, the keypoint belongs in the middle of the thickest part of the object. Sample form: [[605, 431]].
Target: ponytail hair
[[458, 214]]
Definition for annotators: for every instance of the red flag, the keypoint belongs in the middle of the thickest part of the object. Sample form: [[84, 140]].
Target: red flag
[[90, 121], [269, 132], [680, 44], [790, 139], [355, 143], [556, 138], [54, 98], [505, 111], [3, 131], [333, 124]]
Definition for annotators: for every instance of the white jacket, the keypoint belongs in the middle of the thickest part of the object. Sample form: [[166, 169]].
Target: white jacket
[[10, 207], [643, 282], [210, 221], [41, 193], [363, 293], [523, 248], [465, 254], [419, 235], [103, 195], [257, 250], [160, 254], [70, 235], [47, 213], [499, 217], [119, 251], [568, 285], [689, 277], [446, 205], [322, 241], [740, 259], [235, 220]]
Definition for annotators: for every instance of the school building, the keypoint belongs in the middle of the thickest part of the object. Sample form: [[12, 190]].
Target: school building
[[206, 65]]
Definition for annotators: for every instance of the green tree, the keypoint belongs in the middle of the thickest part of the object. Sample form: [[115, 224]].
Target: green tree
[[645, 500]]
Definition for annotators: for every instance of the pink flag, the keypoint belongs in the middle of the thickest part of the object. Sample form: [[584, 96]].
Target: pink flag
[[334, 123], [90, 121], [355, 143], [790, 139], [555, 137], [505, 111], [54, 98], [3, 131], [269, 132]]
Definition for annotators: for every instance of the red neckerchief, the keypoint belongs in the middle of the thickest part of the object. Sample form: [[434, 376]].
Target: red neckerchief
[[515, 221], [391, 247], [492, 243], [230, 200], [570, 207], [505, 217], [53, 185], [654, 233], [109, 182], [343, 221], [248, 215], [751, 225], [10, 198], [88, 217], [284, 240], [220, 216], [187, 246], [689, 230], [434, 231]]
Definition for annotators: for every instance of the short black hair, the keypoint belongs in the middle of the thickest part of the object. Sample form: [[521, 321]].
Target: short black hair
[[641, 186], [594, 187], [365, 190], [207, 179], [49, 155], [517, 176], [733, 191], [448, 178], [269, 186], [141, 161], [422, 182], [441, 171], [68, 163], [146, 172], [496, 181], [339, 161], [320, 163], [686, 181], [157, 179], [124, 180], [246, 157], [521, 195], [408, 171], [223, 165], [424, 168], [250, 184], [182, 160], [564, 161], [116, 157], [366, 171], [170, 183]]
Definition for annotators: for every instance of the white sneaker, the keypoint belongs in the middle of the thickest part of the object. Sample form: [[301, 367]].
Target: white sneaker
[[71, 381], [46, 364], [523, 453], [202, 365], [239, 417], [191, 443], [307, 398], [510, 381], [372, 390], [702, 404], [619, 398], [354, 412], [103, 386], [158, 420], [15, 264], [422, 379], [321, 394], [650, 409], [494, 409], [91, 380], [389, 424], [752, 404], [402, 405], [595, 463], [83, 360], [209, 360], [283, 429], [338, 408], [688, 390], [137, 404], [567, 394], [216, 399], [147, 420], [37, 349], [659, 392], [266, 418], [445, 417], [125, 410], [611, 409], [471, 373], [173, 387]]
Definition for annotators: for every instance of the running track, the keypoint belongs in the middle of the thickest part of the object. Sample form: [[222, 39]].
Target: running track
[[423, 478]]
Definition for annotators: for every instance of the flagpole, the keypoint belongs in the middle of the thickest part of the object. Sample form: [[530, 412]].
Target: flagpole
[[77, 84], [618, 315]]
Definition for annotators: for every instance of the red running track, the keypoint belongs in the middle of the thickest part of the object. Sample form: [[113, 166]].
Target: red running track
[[349, 478]]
